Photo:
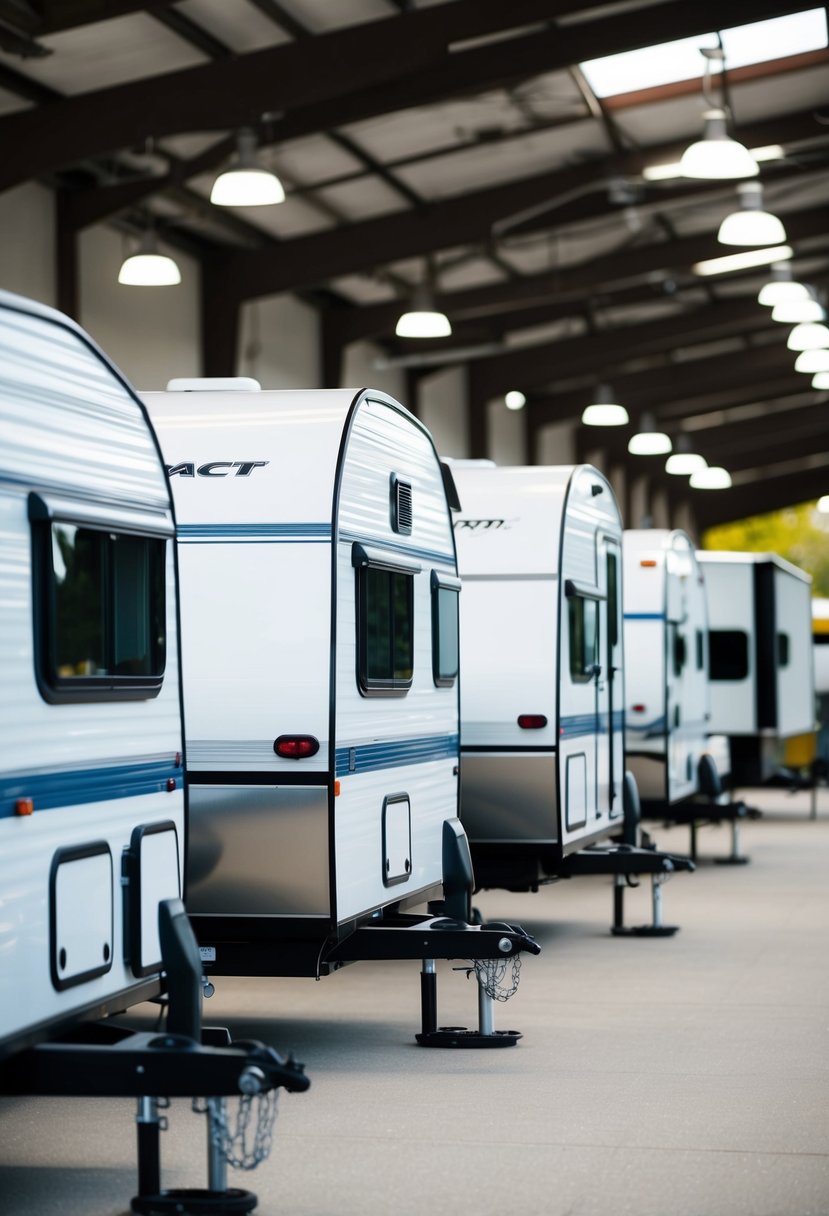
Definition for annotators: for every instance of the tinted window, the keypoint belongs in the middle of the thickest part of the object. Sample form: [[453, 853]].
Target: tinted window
[[385, 630], [612, 599], [700, 650], [783, 650], [445, 649], [102, 612], [583, 617], [679, 650], [728, 654]]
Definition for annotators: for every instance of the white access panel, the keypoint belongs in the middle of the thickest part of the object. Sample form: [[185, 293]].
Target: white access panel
[[795, 677], [730, 589]]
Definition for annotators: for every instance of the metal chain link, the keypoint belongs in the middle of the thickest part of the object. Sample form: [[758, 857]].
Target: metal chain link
[[492, 976], [233, 1146]]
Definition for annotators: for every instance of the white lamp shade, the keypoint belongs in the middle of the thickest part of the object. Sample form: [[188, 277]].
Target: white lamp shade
[[812, 361], [808, 336], [781, 291], [247, 187], [149, 270], [792, 312], [713, 478], [716, 156], [514, 399], [820, 380], [751, 228], [605, 413], [823, 504], [683, 464], [423, 325], [649, 443]]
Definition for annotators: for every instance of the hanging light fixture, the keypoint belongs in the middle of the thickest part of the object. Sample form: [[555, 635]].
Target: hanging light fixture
[[514, 399], [683, 462], [812, 361], [246, 183], [781, 287], [808, 335], [820, 380], [604, 410], [423, 319], [648, 441], [793, 312], [717, 156], [750, 224], [148, 267], [823, 504], [715, 477]]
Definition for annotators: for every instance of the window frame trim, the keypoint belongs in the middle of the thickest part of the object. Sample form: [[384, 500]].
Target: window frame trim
[[364, 558], [446, 582]]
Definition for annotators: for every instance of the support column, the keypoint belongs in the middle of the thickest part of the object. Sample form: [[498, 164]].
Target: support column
[[66, 258], [332, 349], [220, 324]]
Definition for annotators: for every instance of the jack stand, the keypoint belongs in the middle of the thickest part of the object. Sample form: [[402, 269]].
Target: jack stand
[[458, 1036], [656, 928], [735, 857]]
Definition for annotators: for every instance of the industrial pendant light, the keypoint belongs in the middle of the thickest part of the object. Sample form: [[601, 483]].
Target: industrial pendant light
[[514, 399], [604, 410], [423, 318], [808, 335], [750, 224], [793, 312], [648, 441], [246, 183], [717, 156], [812, 361], [715, 477], [781, 287], [683, 462], [148, 267], [820, 380]]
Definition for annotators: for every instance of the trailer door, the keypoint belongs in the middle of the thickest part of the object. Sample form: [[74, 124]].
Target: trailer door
[[609, 685]]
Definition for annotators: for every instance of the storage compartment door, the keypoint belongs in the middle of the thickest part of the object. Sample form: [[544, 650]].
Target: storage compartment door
[[81, 914]]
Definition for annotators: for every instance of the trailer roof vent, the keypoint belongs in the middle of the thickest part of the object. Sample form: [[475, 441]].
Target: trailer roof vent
[[401, 506], [202, 384]]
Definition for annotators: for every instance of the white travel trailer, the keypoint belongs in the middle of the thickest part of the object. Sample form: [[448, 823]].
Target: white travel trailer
[[820, 643], [91, 777], [761, 663], [320, 654], [92, 799], [667, 713], [542, 688]]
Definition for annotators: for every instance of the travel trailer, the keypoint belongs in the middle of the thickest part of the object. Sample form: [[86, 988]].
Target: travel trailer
[[678, 765], [91, 775], [666, 673], [542, 689], [820, 644], [320, 653], [761, 662], [92, 799]]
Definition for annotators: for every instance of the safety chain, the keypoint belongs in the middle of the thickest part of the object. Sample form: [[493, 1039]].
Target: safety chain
[[233, 1146], [492, 973]]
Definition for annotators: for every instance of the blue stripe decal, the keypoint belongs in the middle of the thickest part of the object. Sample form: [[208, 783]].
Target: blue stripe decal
[[659, 726], [368, 757], [644, 616], [576, 725], [382, 542], [78, 786], [255, 533]]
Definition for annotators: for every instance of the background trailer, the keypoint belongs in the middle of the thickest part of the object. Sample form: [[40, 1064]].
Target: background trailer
[[320, 634], [542, 688], [761, 659]]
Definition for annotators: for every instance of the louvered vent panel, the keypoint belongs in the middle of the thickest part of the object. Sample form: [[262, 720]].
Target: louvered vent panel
[[402, 507]]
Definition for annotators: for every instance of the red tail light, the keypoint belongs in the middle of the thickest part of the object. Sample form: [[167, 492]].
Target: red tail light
[[532, 721], [638, 709], [296, 747]]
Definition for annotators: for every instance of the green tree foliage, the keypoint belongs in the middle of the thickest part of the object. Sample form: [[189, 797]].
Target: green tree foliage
[[799, 534]]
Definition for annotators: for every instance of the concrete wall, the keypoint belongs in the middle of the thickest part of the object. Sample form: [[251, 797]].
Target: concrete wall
[[27, 243], [555, 444], [359, 372], [279, 343]]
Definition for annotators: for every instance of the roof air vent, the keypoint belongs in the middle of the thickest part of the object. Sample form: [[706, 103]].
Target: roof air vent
[[401, 506]]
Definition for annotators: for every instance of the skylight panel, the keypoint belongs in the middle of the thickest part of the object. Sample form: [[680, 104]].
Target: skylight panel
[[758, 42]]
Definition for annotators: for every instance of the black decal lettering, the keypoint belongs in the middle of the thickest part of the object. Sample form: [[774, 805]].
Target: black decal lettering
[[243, 467], [206, 470], [183, 470]]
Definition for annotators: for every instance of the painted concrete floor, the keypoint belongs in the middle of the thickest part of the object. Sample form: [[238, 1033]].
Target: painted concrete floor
[[685, 1075]]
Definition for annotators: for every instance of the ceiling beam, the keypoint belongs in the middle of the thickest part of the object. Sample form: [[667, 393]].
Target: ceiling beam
[[419, 57], [769, 492]]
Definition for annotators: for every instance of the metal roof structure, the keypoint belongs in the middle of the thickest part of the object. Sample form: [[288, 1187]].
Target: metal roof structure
[[457, 140]]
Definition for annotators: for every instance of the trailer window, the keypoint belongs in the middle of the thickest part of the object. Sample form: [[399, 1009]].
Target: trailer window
[[612, 599], [385, 617], [680, 650], [101, 613], [728, 654], [583, 618], [700, 649], [445, 642], [782, 650]]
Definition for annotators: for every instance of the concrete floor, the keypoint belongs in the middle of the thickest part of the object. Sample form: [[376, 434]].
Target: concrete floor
[[685, 1075]]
